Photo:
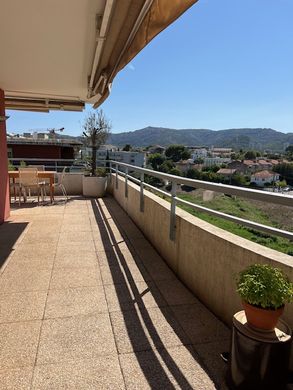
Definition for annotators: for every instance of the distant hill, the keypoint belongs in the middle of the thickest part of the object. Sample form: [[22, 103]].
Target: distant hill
[[259, 139]]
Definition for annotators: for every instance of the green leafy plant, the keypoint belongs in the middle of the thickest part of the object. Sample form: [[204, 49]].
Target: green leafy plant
[[96, 132], [264, 286], [101, 172]]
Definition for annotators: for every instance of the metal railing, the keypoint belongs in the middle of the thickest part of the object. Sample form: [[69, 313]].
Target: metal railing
[[275, 198], [48, 163]]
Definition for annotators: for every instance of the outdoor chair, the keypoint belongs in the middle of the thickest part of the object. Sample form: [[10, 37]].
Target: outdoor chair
[[59, 183], [39, 167], [28, 179]]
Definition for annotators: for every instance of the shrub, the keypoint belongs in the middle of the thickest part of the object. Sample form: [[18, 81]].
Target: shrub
[[264, 286]]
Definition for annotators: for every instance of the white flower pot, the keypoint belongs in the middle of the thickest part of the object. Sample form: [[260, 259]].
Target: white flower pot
[[94, 186]]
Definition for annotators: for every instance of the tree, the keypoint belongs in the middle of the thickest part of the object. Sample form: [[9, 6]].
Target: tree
[[127, 148], [167, 166], [250, 155], [199, 160], [289, 152], [286, 171], [177, 153], [175, 171], [96, 130], [155, 160], [193, 174]]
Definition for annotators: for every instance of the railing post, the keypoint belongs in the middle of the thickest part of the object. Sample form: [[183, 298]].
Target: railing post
[[141, 192], [126, 184], [110, 172], [116, 176], [173, 212]]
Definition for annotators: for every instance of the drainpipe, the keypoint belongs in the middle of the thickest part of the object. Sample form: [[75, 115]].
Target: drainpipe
[[100, 43], [4, 180]]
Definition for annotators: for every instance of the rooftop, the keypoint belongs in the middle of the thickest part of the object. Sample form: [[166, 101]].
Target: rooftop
[[87, 302]]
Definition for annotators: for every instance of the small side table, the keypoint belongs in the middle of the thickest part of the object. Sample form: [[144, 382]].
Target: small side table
[[259, 359]]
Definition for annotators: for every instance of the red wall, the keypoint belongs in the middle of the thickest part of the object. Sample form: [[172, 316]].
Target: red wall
[[40, 151], [4, 182]]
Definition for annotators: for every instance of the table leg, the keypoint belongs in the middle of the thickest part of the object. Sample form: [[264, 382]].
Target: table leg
[[51, 189]]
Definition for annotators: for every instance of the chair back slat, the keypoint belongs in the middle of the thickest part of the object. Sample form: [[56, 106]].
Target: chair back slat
[[28, 177], [39, 167]]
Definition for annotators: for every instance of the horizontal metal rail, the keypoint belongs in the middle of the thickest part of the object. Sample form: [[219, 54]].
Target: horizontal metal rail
[[42, 159], [221, 188]]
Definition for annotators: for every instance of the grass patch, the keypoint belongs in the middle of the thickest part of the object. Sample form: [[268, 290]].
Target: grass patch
[[242, 209]]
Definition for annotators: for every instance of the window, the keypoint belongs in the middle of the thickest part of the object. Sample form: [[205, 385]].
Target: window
[[9, 153]]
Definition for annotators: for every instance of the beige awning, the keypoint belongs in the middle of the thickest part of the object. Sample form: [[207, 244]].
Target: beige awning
[[61, 55], [142, 21]]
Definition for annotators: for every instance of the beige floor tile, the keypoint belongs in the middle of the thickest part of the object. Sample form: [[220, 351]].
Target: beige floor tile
[[76, 246], [31, 260], [70, 260], [36, 249], [209, 354], [16, 378], [63, 278], [25, 279], [68, 237], [129, 296], [76, 301], [118, 274], [22, 306], [157, 268], [91, 374], [144, 329], [171, 368], [41, 238], [200, 324], [175, 293], [76, 228], [78, 337], [107, 257], [18, 343]]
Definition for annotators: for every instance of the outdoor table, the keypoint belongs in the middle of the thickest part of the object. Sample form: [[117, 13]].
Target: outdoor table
[[41, 175]]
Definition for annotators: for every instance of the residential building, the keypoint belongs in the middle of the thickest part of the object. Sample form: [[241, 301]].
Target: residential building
[[199, 153], [185, 165], [134, 158], [265, 177], [210, 161], [221, 152], [156, 149], [227, 173], [44, 151]]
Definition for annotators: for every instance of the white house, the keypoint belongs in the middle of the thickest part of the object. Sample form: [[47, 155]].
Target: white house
[[133, 158], [264, 177]]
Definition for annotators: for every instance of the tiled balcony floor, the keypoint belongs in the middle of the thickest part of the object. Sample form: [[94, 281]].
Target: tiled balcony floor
[[87, 303]]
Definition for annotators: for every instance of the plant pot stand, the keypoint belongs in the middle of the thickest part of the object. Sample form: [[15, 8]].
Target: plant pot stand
[[259, 359]]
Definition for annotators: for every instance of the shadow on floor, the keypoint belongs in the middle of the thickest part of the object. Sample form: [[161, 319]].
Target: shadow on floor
[[141, 331], [9, 234]]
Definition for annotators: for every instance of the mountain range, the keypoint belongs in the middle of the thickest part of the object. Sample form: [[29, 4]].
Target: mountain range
[[246, 138]]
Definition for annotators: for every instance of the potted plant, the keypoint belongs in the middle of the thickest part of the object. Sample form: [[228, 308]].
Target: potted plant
[[96, 131], [264, 291]]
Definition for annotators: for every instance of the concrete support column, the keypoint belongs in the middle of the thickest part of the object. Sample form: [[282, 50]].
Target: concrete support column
[[4, 180]]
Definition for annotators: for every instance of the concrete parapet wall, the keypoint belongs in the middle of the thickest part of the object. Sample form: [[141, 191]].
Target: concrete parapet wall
[[72, 183], [206, 258]]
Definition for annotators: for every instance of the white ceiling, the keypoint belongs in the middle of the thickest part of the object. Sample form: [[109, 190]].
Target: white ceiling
[[47, 47]]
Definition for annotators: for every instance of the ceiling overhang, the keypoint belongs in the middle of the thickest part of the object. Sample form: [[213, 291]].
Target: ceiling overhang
[[58, 55]]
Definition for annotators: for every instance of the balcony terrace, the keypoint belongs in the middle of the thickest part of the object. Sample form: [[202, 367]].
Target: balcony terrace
[[88, 303]]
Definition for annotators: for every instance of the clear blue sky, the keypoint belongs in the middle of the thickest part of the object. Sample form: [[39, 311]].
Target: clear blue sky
[[223, 64]]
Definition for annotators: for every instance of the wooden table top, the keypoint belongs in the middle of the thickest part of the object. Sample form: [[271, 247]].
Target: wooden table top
[[43, 174]]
